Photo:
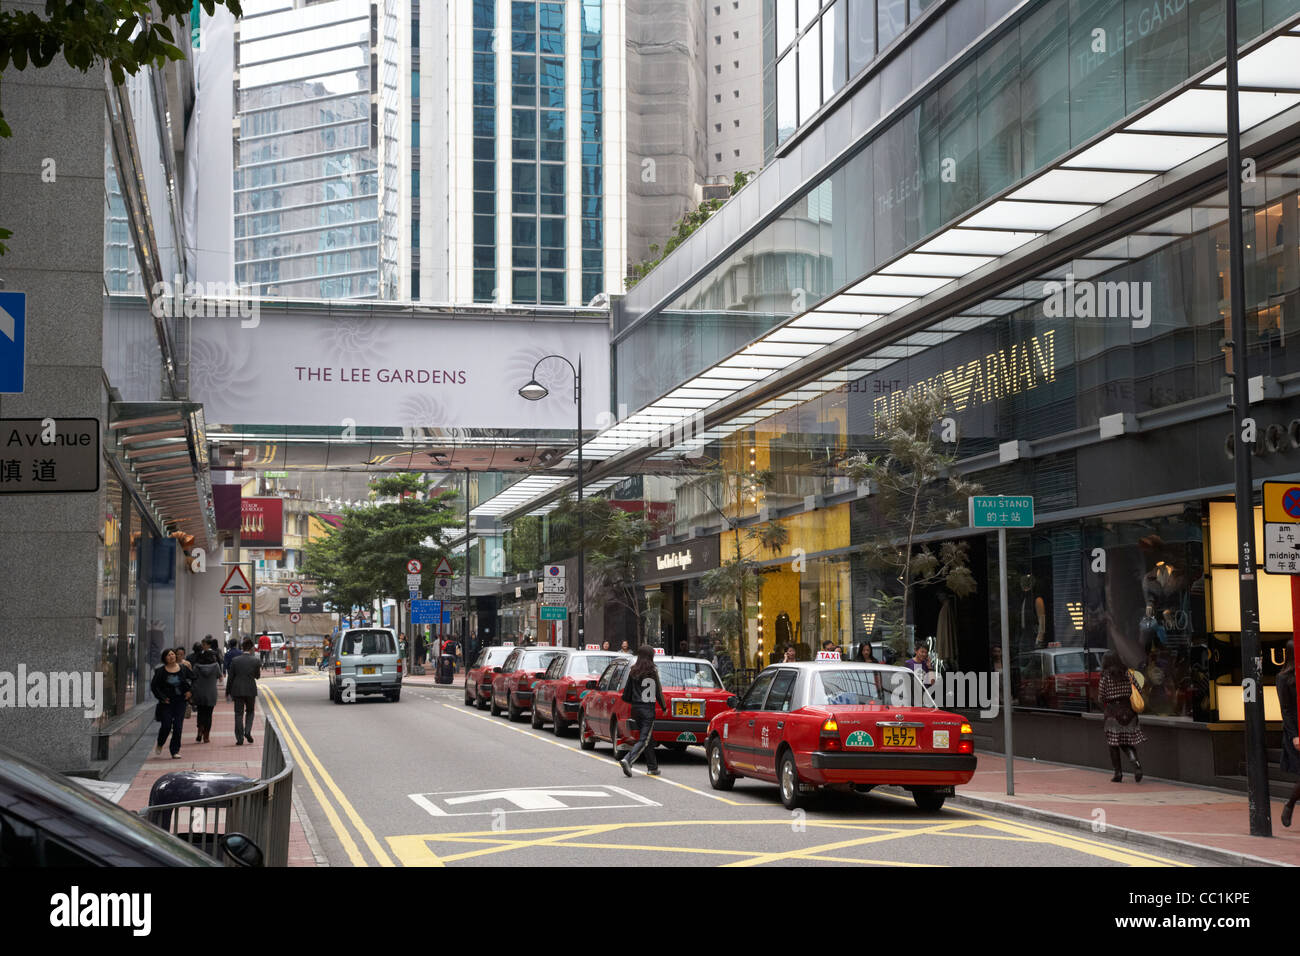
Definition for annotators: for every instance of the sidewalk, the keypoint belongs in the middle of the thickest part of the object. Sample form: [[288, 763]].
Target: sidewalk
[[222, 754], [1157, 813]]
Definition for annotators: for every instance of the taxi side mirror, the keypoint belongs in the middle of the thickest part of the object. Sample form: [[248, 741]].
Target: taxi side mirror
[[496, 670], [592, 684], [733, 702]]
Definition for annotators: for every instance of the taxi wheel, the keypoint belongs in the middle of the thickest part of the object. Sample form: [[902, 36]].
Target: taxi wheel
[[585, 739], [513, 712], [719, 779], [479, 702], [538, 723], [496, 711], [928, 800], [613, 739], [791, 798], [469, 701], [558, 726]]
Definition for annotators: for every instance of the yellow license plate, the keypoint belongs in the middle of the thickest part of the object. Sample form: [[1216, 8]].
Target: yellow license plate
[[368, 670], [688, 708], [899, 736]]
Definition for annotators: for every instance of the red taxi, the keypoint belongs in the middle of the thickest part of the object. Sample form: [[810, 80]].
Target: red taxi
[[558, 695], [841, 724], [692, 689], [512, 684], [478, 680]]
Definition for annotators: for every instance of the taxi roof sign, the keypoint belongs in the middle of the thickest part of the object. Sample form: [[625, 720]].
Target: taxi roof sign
[[1282, 502]]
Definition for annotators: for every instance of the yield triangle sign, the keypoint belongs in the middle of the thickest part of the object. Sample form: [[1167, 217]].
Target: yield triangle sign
[[236, 583], [444, 567]]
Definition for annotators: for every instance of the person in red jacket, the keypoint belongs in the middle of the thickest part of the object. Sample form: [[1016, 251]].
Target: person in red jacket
[[264, 647]]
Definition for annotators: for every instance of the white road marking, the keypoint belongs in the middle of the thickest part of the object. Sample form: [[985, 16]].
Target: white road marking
[[529, 800]]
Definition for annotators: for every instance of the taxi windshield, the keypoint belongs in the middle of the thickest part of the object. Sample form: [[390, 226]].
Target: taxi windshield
[[688, 674], [865, 687], [538, 660]]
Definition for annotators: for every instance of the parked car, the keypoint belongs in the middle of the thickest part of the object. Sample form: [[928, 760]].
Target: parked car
[[512, 683], [367, 660], [692, 689], [558, 696], [842, 724], [478, 679], [48, 820]]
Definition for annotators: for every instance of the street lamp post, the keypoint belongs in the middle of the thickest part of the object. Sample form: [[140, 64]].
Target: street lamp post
[[535, 391]]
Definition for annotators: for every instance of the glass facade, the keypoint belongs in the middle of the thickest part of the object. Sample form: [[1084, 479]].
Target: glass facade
[[1016, 369], [1000, 114], [308, 218], [593, 218], [538, 190], [485, 153]]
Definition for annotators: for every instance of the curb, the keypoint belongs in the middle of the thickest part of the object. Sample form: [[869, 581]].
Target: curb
[[1119, 834]]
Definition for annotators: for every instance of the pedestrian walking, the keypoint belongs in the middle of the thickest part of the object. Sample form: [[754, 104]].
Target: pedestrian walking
[[242, 689], [171, 686], [206, 674], [232, 651], [264, 647], [643, 691], [186, 663], [1286, 699], [1120, 722]]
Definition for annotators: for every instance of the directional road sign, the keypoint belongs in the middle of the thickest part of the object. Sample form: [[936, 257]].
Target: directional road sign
[[426, 612], [553, 612], [13, 340]]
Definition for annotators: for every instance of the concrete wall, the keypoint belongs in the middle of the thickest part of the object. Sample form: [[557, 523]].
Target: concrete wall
[[49, 564]]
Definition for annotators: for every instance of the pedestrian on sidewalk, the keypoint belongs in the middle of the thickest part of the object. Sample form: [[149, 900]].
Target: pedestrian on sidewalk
[[263, 647], [643, 691], [171, 686], [1286, 682], [206, 673], [232, 651], [242, 689], [1121, 720]]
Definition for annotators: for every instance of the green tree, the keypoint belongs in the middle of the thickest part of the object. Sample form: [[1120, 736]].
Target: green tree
[[367, 554], [682, 229], [125, 35], [917, 492], [613, 563]]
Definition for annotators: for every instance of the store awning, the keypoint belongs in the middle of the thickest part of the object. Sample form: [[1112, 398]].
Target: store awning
[[163, 451]]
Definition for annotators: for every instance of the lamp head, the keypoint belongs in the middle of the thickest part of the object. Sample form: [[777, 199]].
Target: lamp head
[[534, 391]]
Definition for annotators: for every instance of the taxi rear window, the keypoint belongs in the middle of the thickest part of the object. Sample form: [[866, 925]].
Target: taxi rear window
[[688, 674], [864, 687], [367, 642], [538, 660]]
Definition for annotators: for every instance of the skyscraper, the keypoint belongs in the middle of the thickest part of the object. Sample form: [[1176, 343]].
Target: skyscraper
[[316, 152]]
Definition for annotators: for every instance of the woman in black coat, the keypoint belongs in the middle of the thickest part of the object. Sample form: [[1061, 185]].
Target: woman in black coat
[[171, 686], [207, 671], [1290, 727]]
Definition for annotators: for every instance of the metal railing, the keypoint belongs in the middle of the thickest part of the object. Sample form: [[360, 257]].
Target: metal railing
[[262, 812]]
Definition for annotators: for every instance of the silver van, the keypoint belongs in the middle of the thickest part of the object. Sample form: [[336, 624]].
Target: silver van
[[367, 660]]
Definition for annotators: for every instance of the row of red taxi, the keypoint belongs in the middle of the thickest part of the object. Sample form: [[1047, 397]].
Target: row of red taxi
[[802, 726]]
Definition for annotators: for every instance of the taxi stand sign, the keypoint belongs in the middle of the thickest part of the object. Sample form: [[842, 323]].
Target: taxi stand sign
[[1282, 527]]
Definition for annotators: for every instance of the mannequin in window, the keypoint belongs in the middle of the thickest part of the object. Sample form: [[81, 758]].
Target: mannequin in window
[[1031, 614]]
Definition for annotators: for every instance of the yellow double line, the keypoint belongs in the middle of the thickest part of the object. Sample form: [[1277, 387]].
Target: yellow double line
[[305, 759]]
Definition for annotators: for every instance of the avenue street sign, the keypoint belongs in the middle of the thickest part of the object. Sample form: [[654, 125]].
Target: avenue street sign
[[43, 455]]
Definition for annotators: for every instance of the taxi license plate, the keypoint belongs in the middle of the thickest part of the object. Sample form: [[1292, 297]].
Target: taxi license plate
[[369, 670], [688, 708], [899, 736]]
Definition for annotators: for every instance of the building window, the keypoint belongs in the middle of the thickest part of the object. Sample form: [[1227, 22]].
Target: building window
[[737, 152], [736, 93], [717, 40], [717, 127], [717, 157], [717, 97], [736, 123], [735, 35], [717, 68]]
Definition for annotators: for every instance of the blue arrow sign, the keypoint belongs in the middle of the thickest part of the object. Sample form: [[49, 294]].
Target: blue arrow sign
[[13, 340]]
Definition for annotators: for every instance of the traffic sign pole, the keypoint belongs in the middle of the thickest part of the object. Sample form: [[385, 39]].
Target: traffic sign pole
[[1006, 663]]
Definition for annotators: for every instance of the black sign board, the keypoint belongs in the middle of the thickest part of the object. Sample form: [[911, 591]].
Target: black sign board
[[50, 455], [686, 560], [310, 605]]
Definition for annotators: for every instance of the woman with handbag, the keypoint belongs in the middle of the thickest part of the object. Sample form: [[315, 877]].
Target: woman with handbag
[[1121, 703], [171, 686]]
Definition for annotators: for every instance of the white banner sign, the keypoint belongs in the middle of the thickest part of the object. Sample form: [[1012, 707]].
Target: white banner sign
[[309, 368]]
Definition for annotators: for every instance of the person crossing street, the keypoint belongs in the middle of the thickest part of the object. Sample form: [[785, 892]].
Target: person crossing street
[[643, 691]]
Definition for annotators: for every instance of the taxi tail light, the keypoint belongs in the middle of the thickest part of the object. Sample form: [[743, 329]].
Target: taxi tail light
[[571, 695], [338, 668], [966, 742], [830, 735], [399, 667]]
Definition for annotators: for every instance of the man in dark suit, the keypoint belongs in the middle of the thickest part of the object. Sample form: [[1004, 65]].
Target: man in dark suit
[[241, 687]]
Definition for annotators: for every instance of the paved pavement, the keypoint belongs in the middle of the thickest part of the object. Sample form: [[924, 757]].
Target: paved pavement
[[130, 783], [1153, 813]]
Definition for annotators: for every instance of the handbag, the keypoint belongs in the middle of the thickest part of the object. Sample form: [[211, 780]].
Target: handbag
[[1135, 697], [158, 712]]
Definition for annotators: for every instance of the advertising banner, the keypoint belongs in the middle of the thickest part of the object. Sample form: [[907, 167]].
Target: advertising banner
[[262, 523], [313, 368]]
